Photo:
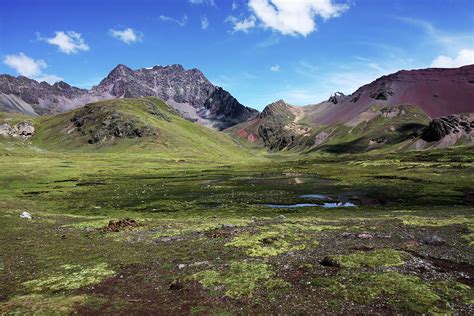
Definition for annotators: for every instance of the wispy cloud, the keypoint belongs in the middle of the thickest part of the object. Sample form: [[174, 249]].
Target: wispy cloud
[[275, 68], [269, 41], [182, 22], [29, 67], [456, 48], [204, 23], [208, 2], [127, 35], [242, 25], [235, 5], [448, 40], [307, 69], [68, 42]]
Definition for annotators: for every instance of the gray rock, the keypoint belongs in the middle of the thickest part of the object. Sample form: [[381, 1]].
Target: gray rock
[[365, 236], [228, 226], [434, 240], [22, 129]]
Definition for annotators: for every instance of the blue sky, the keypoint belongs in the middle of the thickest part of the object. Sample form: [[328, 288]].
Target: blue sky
[[259, 50]]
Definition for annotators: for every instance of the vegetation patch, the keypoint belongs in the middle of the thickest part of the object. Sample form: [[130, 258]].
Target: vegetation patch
[[241, 280], [399, 291], [372, 259], [430, 221], [37, 304], [73, 277], [469, 238], [452, 290], [268, 243]]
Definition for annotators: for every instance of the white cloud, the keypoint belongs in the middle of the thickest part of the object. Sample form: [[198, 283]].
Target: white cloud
[[25, 65], [464, 57], [208, 2], [275, 68], [244, 25], [69, 42], [294, 17], [128, 35], [235, 5], [29, 67], [204, 23], [181, 22]]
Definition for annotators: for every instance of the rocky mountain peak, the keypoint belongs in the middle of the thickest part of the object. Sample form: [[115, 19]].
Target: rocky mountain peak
[[118, 72], [337, 97], [62, 85], [188, 91], [275, 107]]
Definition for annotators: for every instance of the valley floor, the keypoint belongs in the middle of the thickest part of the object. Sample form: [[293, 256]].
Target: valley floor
[[194, 237]]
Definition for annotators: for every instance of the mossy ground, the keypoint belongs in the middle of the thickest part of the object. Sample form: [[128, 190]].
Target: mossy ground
[[204, 223]]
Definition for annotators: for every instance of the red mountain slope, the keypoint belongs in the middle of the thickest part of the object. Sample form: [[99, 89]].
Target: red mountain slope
[[438, 92]]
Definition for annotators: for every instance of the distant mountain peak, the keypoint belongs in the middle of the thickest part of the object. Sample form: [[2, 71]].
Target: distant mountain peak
[[188, 91], [275, 107], [337, 97]]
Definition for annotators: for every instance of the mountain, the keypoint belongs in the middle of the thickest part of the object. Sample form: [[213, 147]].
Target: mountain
[[120, 125], [188, 91], [436, 91], [391, 113]]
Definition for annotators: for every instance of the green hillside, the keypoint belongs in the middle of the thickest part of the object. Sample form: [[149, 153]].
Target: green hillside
[[128, 126], [380, 129]]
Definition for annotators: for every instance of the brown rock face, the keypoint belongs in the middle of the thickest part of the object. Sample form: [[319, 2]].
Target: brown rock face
[[438, 92]]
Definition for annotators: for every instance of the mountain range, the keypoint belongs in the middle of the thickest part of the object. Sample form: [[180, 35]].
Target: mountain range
[[393, 110], [417, 109], [188, 91]]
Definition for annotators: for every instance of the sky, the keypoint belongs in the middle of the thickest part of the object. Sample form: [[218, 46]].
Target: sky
[[261, 51]]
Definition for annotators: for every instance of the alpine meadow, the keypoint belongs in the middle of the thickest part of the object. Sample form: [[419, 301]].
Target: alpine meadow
[[245, 157]]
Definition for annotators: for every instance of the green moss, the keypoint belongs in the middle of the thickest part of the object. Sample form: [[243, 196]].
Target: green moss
[[372, 259], [36, 304], [430, 221], [266, 244], [72, 277], [400, 291], [452, 290], [469, 238], [241, 280]]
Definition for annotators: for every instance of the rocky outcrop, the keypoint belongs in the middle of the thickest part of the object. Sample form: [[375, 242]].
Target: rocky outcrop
[[337, 97], [188, 91], [101, 124], [22, 129], [445, 126], [222, 108], [275, 137]]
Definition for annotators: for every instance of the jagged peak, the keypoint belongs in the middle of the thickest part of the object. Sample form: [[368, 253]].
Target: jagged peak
[[271, 108], [62, 85], [120, 68], [337, 97]]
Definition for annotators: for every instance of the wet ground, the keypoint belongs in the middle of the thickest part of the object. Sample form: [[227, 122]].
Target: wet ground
[[105, 238]]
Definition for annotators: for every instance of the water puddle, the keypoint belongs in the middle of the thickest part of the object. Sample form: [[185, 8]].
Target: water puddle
[[314, 196], [325, 205]]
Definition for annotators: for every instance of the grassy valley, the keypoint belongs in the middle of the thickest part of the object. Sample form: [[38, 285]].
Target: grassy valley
[[176, 221]]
